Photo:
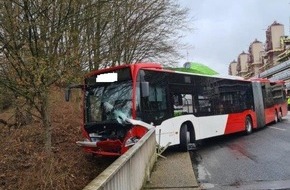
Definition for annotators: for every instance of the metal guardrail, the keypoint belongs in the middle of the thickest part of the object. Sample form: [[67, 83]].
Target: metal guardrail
[[276, 69], [284, 75], [131, 170]]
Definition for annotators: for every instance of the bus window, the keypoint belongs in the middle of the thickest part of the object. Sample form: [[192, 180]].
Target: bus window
[[182, 104], [154, 108], [187, 103], [204, 104], [278, 93]]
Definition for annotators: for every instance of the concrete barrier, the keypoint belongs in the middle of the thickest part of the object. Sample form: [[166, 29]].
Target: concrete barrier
[[131, 170]]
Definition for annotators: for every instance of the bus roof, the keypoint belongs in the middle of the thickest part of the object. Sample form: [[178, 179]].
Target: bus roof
[[132, 66], [156, 66]]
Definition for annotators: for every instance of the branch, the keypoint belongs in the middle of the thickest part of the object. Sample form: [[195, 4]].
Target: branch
[[9, 125]]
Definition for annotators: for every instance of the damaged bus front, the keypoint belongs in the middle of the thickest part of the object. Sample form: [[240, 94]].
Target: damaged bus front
[[109, 128]]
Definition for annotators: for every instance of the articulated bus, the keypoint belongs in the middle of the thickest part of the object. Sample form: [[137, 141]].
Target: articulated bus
[[122, 103]]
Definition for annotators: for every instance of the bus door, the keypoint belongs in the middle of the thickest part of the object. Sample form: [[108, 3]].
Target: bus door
[[259, 104]]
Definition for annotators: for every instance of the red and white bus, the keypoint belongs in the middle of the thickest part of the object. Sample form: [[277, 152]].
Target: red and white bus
[[122, 103]]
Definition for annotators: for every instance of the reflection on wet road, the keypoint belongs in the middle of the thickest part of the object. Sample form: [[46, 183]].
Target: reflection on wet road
[[257, 161]]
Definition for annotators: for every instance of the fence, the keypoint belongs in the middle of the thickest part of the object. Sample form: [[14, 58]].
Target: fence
[[131, 170]]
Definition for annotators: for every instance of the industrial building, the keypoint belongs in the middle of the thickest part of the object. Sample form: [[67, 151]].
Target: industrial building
[[269, 60]]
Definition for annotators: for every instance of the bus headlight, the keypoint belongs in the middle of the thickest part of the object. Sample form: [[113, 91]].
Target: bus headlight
[[131, 141]]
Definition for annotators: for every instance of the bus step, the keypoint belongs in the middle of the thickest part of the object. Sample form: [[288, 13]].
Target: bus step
[[191, 146]]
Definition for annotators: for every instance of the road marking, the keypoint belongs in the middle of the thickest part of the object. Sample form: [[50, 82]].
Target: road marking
[[278, 128]]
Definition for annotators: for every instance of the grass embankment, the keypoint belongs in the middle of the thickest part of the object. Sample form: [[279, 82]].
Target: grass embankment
[[24, 164]]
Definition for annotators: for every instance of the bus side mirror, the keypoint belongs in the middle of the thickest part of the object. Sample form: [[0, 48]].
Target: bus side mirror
[[67, 94], [68, 90], [145, 89]]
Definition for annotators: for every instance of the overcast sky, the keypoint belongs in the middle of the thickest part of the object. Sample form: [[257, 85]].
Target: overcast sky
[[225, 28]]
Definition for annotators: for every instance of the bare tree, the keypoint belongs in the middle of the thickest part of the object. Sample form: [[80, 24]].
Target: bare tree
[[37, 50], [129, 31], [147, 30]]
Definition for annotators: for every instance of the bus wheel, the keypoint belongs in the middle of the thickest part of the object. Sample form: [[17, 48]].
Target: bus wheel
[[248, 125], [276, 117], [280, 116], [184, 138]]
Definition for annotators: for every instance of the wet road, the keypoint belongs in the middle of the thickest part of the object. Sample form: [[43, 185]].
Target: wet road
[[257, 161]]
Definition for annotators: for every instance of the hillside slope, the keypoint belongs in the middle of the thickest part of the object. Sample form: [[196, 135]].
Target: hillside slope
[[23, 163]]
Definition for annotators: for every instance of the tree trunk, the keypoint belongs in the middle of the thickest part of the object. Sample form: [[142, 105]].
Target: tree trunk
[[46, 124], [48, 133]]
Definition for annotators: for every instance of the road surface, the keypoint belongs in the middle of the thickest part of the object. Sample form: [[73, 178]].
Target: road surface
[[257, 161]]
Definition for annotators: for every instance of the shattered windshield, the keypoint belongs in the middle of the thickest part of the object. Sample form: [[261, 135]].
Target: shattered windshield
[[109, 102]]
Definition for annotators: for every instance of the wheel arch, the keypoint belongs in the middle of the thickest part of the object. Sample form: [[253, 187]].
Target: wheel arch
[[190, 128], [250, 130], [250, 116]]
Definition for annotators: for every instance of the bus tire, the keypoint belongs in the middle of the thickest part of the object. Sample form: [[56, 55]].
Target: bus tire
[[184, 137], [248, 125], [276, 119], [280, 116]]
